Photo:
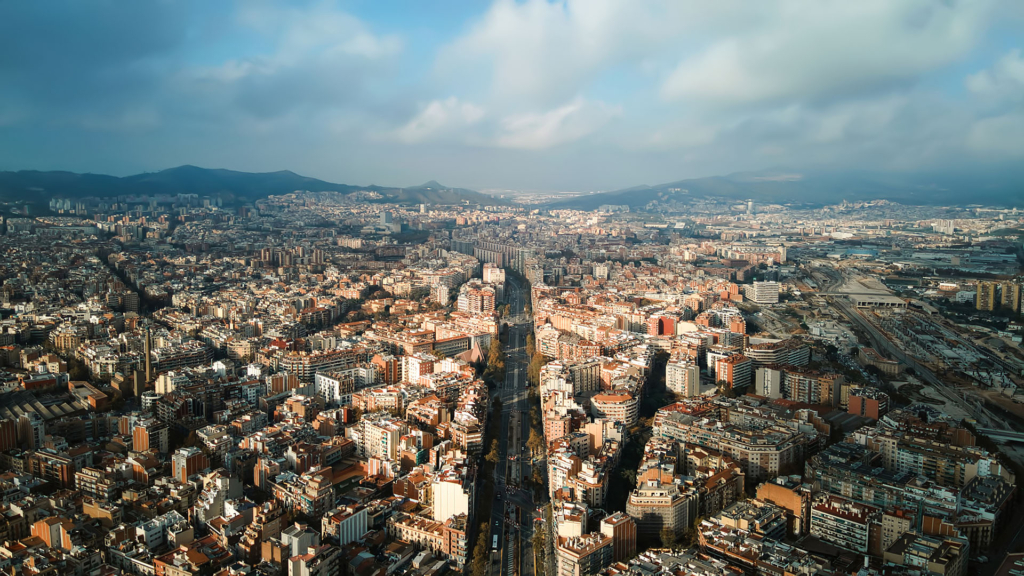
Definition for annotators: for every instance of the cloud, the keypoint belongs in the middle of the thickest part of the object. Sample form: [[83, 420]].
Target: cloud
[[602, 93], [545, 52], [452, 120], [323, 58], [1003, 82], [567, 123], [808, 50], [439, 118], [999, 135]]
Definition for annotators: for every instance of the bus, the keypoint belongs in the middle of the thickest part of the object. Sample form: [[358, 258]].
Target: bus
[[494, 543]]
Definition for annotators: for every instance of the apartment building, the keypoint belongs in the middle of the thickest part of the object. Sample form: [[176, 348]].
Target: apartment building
[[683, 378], [790, 351], [188, 462], [942, 556], [868, 402], [453, 492], [736, 370], [762, 292], [584, 555], [985, 296], [622, 530], [660, 501], [616, 405], [377, 435], [846, 523]]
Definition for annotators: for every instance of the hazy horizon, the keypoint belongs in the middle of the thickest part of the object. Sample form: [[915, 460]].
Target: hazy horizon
[[546, 96]]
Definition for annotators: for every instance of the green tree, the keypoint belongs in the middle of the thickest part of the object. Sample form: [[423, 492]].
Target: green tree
[[531, 346]]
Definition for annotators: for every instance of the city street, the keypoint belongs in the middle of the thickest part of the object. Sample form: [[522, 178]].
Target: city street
[[514, 394]]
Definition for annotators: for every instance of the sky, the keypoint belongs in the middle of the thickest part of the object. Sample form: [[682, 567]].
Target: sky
[[535, 94]]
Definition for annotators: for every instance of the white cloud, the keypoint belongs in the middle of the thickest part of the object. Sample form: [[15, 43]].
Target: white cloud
[[322, 58], [560, 125], [805, 50], [453, 120], [544, 52], [439, 118]]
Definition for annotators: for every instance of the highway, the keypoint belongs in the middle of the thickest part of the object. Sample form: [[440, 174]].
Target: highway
[[515, 529]]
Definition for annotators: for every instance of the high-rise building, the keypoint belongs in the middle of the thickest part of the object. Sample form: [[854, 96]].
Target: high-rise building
[[683, 378], [622, 530], [385, 217], [150, 434], [985, 298], [762, 292], [187, 462], [148, 346], [1009, 298], [31, 430], [659, 503], [735, 370], [8, 434]]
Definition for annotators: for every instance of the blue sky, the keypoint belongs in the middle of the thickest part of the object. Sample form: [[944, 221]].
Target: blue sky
[[573, 95]]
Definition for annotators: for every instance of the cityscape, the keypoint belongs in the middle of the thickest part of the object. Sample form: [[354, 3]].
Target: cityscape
[[775, 371]]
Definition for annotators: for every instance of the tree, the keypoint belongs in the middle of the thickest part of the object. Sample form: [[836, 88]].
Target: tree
[[668, 537], [495, 361], [725, 389], [481, 557], [531, 346], [535, 443], [538, 477], [533, 370], [77, 370], [492, 455]]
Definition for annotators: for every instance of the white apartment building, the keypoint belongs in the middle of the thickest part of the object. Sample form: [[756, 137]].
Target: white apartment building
[[762, 292], [683, 378]]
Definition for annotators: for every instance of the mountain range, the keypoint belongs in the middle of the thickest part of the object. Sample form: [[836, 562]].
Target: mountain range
[[992, 187], [229, 185]]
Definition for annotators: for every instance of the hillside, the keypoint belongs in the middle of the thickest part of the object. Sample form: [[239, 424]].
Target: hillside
[[995, 187], [30, 185]]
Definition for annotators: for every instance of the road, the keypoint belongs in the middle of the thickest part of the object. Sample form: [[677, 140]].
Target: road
[[516, 530]]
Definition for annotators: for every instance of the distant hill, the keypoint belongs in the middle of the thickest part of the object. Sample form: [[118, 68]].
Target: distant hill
[[227, 184], [992, 187]]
